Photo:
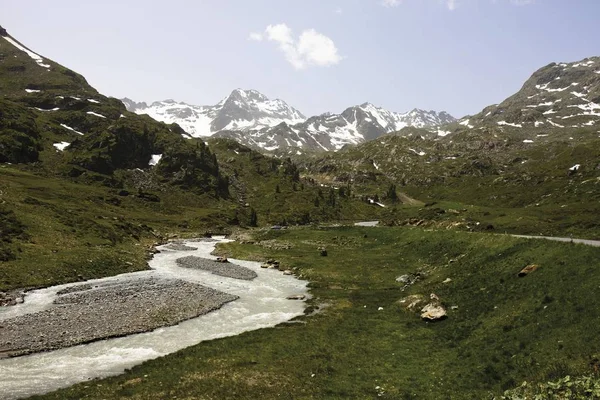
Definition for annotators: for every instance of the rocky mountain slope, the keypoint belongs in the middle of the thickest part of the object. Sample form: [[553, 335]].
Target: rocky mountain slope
[[328, 132], [563, 95], [241, 110], [250, 118]]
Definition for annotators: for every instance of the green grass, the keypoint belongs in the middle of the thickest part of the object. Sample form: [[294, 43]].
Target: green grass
[[73, 231], [506, 329]]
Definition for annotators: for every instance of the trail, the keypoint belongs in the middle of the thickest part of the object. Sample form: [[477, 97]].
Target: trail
[[595, 243]]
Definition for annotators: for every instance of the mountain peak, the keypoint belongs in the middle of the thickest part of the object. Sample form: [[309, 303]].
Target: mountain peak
[[248, 95], [242, 110], [252, 118], [3, 31]]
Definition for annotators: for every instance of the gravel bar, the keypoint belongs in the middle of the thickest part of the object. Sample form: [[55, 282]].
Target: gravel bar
[[227, 269], [180, 247], [85, 313]]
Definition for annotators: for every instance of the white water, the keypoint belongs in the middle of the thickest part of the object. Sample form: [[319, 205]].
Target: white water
[[262, 303]]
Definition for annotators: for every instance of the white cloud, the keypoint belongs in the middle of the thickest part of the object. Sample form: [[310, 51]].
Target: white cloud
[[258, 37], [310, 49], [451, 4], [338, 10], [390, 3]]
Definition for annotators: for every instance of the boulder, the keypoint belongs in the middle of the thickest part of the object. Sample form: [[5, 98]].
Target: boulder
[[323, 252], [434, 311], [288, 272], [222, 259], [296, 297]]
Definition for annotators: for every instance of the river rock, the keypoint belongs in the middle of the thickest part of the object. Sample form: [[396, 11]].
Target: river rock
[[296, 297]]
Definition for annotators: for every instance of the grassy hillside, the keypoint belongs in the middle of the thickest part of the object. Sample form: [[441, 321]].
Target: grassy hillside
[[491, 176], [360, 341]]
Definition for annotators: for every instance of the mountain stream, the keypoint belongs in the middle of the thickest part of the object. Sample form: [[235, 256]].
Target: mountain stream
[[262, 303]]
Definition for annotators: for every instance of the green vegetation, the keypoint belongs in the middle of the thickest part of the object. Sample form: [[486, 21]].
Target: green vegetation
[[97, 207], [361, 342], [586, 387]]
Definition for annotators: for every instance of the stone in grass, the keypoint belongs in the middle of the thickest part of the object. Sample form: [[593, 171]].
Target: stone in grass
[[413, 302], [323, 252], [434, 311], [527, 270]]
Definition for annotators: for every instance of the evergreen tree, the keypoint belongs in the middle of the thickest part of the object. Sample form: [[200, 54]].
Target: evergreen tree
[[253, 218], [391, 194]]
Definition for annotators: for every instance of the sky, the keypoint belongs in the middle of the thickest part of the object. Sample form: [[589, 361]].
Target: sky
[[317, 55]]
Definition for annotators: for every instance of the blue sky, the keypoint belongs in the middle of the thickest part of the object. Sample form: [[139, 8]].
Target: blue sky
[[317, 55]]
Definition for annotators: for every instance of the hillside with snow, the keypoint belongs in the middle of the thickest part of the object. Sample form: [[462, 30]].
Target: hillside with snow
[[559, 95]]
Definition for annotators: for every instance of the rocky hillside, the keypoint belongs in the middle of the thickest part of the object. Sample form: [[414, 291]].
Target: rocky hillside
[[51, 114], [250, 118], [563, 95]]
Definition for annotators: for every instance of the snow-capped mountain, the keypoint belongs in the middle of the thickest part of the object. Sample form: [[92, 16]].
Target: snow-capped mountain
[[328, 131], [241, 110], [252, 119]]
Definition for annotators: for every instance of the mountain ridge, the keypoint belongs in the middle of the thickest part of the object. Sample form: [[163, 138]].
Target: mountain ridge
[[251, 118], [558, 95]]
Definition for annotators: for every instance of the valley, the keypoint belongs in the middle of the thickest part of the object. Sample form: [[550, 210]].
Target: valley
[[369, 253]]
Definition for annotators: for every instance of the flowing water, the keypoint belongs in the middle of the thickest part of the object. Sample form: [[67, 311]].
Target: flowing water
[[262, 303]]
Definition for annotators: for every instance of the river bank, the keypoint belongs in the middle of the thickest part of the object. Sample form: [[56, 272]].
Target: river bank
[[261, 302], [84, 313]]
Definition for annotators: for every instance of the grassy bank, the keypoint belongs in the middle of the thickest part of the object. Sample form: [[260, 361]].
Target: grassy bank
[[501, 329]]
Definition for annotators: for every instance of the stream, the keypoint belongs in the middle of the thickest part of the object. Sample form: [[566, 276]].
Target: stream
[[262, 303]]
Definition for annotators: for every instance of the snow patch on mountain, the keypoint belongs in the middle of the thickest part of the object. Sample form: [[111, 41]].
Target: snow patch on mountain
[[39, 60]]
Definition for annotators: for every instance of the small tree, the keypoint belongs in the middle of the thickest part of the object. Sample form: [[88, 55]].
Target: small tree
[[253, 218], [391, 194]]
